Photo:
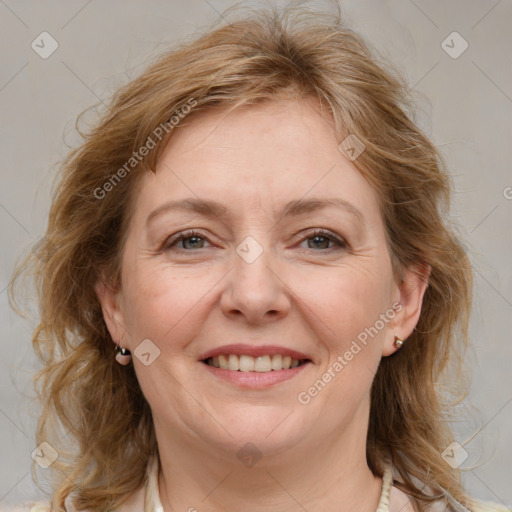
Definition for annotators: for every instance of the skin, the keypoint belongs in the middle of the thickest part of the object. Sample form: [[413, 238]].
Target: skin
[[315, 298]]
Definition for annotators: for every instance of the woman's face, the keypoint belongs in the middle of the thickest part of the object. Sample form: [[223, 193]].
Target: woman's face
[[254, 186]]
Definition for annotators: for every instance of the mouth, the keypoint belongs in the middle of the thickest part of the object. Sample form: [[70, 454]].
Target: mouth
[[254, 367], [260, 364]]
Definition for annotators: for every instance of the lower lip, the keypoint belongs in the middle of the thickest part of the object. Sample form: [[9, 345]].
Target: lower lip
[[255, 380]]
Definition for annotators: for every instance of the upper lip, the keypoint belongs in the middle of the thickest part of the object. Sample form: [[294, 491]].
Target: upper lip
[[253, 350]]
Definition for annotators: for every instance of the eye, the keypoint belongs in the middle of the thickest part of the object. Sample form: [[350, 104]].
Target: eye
[[321, 239], [194, 240], [191, 240]]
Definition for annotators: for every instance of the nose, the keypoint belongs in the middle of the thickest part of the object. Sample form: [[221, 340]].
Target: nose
[[255, 291]]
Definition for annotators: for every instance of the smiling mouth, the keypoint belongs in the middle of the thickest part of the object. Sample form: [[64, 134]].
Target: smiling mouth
[[261, 364]]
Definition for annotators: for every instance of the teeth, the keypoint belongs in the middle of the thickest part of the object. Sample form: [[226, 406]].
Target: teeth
[[245, 363], [277, 362], [260, 364], [233, 362]]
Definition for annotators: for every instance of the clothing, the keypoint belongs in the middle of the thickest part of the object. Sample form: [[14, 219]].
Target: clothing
[[392, 499]]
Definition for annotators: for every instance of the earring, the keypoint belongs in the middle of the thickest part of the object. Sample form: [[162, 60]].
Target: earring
[[123, 356], [399, 342]]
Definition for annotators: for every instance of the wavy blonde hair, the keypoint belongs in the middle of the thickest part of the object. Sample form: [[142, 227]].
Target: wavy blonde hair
[[93, 410]]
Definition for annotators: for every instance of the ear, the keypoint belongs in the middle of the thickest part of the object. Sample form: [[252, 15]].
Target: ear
[[410, 292], [112, 313]]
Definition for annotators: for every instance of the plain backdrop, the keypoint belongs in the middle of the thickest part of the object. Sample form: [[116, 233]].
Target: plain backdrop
[[464, 104]]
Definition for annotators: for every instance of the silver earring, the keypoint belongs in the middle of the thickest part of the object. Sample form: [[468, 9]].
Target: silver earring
[[399, 342], [123, 356]]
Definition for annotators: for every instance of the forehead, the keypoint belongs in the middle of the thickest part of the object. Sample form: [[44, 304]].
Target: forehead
[[257, 157]]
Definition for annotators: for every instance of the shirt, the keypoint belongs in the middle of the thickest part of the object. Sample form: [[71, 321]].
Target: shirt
[[392, 499]]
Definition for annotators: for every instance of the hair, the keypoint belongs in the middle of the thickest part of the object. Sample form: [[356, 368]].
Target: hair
[[268, 54]]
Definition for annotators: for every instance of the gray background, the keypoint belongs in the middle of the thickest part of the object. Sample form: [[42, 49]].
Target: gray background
[[464, 104]]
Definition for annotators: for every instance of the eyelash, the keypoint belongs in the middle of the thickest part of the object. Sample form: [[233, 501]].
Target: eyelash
[[172, 241]]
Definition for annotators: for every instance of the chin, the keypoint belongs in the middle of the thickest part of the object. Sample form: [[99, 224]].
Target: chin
[[271, 429]]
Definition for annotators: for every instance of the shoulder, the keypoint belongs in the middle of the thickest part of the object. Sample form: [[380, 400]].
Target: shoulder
[[39, 506], [401, 502], [475, 506], [135, 502], [481, 506]]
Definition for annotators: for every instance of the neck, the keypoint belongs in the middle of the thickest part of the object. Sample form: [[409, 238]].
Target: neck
[[320, 474]]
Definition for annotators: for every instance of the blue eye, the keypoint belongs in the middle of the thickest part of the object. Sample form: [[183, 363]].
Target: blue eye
[[194, 236], [191, 240], [195, 240], [321, 236]]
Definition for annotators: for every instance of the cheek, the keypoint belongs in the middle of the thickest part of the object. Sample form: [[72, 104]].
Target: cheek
[[346, 312], [353, 343], [351, 300], [165, 307]]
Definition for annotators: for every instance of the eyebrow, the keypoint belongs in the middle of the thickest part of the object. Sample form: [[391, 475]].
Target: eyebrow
[[295, 208]]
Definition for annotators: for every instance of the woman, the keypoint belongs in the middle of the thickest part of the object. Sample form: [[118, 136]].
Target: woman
[[248, 292]]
